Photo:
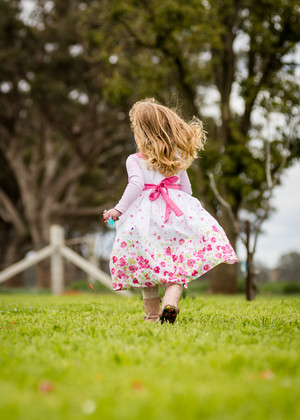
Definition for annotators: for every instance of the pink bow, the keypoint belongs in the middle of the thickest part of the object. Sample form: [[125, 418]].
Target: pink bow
[[162, 188]]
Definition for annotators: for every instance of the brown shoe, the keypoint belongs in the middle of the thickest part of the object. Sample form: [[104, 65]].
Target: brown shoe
[[152, 306]]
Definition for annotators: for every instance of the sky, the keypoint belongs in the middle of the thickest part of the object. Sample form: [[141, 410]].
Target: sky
[[282, 230]]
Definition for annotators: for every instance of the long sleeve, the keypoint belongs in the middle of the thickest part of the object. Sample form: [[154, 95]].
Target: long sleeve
[[185, 184], [135, 184]]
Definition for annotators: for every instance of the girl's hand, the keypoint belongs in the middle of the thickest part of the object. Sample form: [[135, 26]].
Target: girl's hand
[[112, 214]]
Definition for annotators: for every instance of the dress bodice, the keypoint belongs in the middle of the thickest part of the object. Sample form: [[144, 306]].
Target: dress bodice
[[152, 176]]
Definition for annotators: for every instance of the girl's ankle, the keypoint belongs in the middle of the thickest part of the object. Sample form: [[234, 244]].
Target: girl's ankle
[[172, 295]]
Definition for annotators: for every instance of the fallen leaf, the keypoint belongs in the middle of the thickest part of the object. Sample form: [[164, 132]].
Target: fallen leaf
[[46, 386], [267, 374], [137, 385]]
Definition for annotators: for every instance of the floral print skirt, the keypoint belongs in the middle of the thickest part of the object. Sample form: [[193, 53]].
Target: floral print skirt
[[148, 252]]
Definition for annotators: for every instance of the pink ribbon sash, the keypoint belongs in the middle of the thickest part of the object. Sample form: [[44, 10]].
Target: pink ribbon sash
[[162, 188]]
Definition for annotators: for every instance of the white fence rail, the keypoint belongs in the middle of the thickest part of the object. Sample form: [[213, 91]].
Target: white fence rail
[[57, 251], [22, 265]]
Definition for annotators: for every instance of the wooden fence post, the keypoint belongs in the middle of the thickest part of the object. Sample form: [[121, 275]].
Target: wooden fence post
[[249, 274], [57, 263]]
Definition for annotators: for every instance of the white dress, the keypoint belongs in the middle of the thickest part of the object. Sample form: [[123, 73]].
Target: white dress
[[154, 245]]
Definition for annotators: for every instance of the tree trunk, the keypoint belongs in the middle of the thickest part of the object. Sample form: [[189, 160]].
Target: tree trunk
[[223, 278], [12, 255], [43, 274], [40, 234], [250, 284]]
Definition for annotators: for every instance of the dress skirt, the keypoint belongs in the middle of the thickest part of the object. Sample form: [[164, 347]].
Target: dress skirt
[[148, 251]]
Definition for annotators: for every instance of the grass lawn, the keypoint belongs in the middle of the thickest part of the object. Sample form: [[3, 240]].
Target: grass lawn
[[91, 356]]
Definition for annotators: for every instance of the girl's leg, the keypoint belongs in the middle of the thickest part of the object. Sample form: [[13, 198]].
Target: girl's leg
[[150, 292], [169, 307], [151, 303]]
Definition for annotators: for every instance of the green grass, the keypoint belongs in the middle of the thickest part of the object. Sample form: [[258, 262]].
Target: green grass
[[92, 357]]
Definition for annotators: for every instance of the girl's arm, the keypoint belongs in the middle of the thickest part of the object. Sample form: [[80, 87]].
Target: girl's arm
[[185, 184], [134, 188]]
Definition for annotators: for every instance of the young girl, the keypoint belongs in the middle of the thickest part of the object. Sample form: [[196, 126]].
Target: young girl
[[164, 236]]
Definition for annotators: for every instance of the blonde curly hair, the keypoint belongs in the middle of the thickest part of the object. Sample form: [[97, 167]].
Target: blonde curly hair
[[167, 142]]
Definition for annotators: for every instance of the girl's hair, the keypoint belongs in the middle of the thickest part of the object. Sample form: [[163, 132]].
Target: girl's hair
[[168, 143]]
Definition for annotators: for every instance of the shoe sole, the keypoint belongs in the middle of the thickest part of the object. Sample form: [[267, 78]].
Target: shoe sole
[[169, 314]]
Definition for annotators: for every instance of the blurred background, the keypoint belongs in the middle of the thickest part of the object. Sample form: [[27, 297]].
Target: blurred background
[[71, 70]]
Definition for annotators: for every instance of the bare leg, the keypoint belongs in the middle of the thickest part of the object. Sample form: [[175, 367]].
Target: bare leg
[[150, 292], [169, 308], [151, 303]]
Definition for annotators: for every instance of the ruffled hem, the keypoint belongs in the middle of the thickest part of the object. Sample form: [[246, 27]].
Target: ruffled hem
[[119, 286]]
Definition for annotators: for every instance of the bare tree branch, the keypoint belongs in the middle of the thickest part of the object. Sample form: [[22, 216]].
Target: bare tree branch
[[83, 211], [223, 202], [283, 161], [260, 223], [268, 165], [12, 213], [73, 171]]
